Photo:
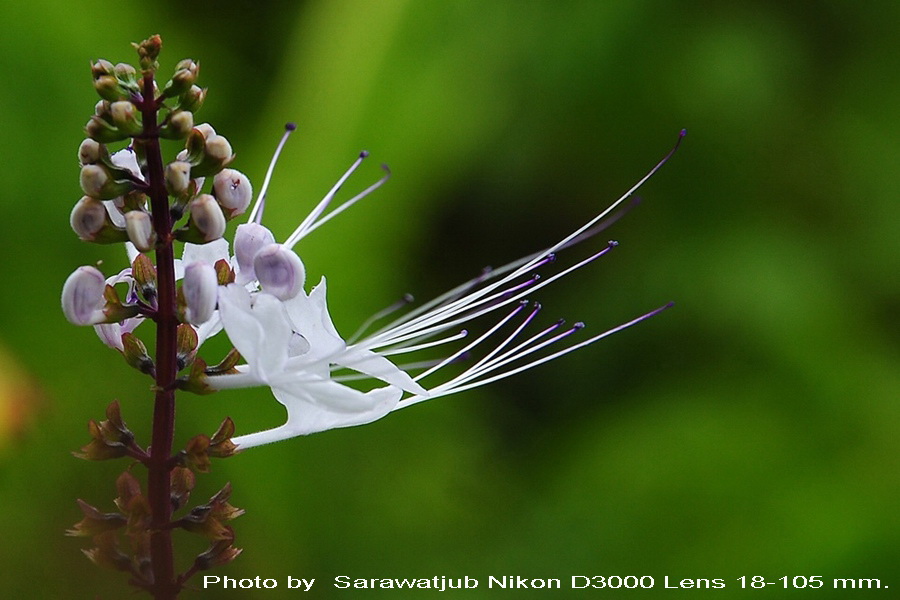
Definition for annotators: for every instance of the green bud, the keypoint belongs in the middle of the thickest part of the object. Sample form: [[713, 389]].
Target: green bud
[[185, 75], [148, 52], [187, 345], [102, 131], [144, 274], [136, 355], [125, 72], [215, 156], [108, 87]]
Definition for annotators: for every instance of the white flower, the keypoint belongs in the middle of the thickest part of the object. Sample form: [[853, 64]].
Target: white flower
[[291, 345]]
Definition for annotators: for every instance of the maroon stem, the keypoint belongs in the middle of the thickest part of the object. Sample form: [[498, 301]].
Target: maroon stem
[[164, 586]]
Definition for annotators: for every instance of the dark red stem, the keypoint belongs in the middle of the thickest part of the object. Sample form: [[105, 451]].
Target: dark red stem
[[164, 585]]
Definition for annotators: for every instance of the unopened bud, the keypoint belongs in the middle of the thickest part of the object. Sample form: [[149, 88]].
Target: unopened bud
[[97, 183], [279, 271], [187, 342], [193, 98], [135, 353], [178, 126], [140, 230], [200, 289], [103, 131], [206, 130], [233, 191], [178, 177], [144, 274], [82, 296], [89, 152], [102, 67], [88, 218], [207, 222], [186, 73], [218, 148], [108, 87], [249, 239], [125, 117], [125, 71]]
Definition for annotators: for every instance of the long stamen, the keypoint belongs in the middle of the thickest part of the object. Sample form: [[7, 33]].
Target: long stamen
[[347, 204], [472, 344], [443, 391], [404, 301], [257, 211], [406, 349], [518, 267], [438, 319], [300, 231]]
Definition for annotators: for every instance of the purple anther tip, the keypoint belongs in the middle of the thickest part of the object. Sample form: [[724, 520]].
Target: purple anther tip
[[560, 322], [408, 298], [578, 325], [464, 332], [537, 306], [683, 133], [523, 302], [613, 243], [535, 276], [290, 126], [551, 257], [385, 168], [670, 305], [364, 154]]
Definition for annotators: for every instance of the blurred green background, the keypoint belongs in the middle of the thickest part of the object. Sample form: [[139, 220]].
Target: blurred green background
[[751, 430]]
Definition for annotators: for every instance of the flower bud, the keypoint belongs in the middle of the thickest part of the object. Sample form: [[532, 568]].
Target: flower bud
[[125, 117], [279, 271], [178, 125], [88, 218], [125, 71], [102, 67], [101, 130], [97, 183], [186, 73], [193, 98], [233, 191], [249, 239], [108, 87], [82, 296], [218, 148], [206, 130], [178, 177], [140, 230], [135, 353], [200, 289], [206, 218], [89, 152]]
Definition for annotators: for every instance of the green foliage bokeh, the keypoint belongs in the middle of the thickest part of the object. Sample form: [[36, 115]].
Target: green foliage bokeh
[[750, 430]]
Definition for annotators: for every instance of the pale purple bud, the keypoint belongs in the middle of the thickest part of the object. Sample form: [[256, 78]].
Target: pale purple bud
[[93, 180], [249, 239], [200, 290], [279, 271], [82, 296], [88, 218], [206, 129], [124, 116], [178, 177], [89, 152], [218, 148], [140, 230], [233, 191], [207, 217]]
